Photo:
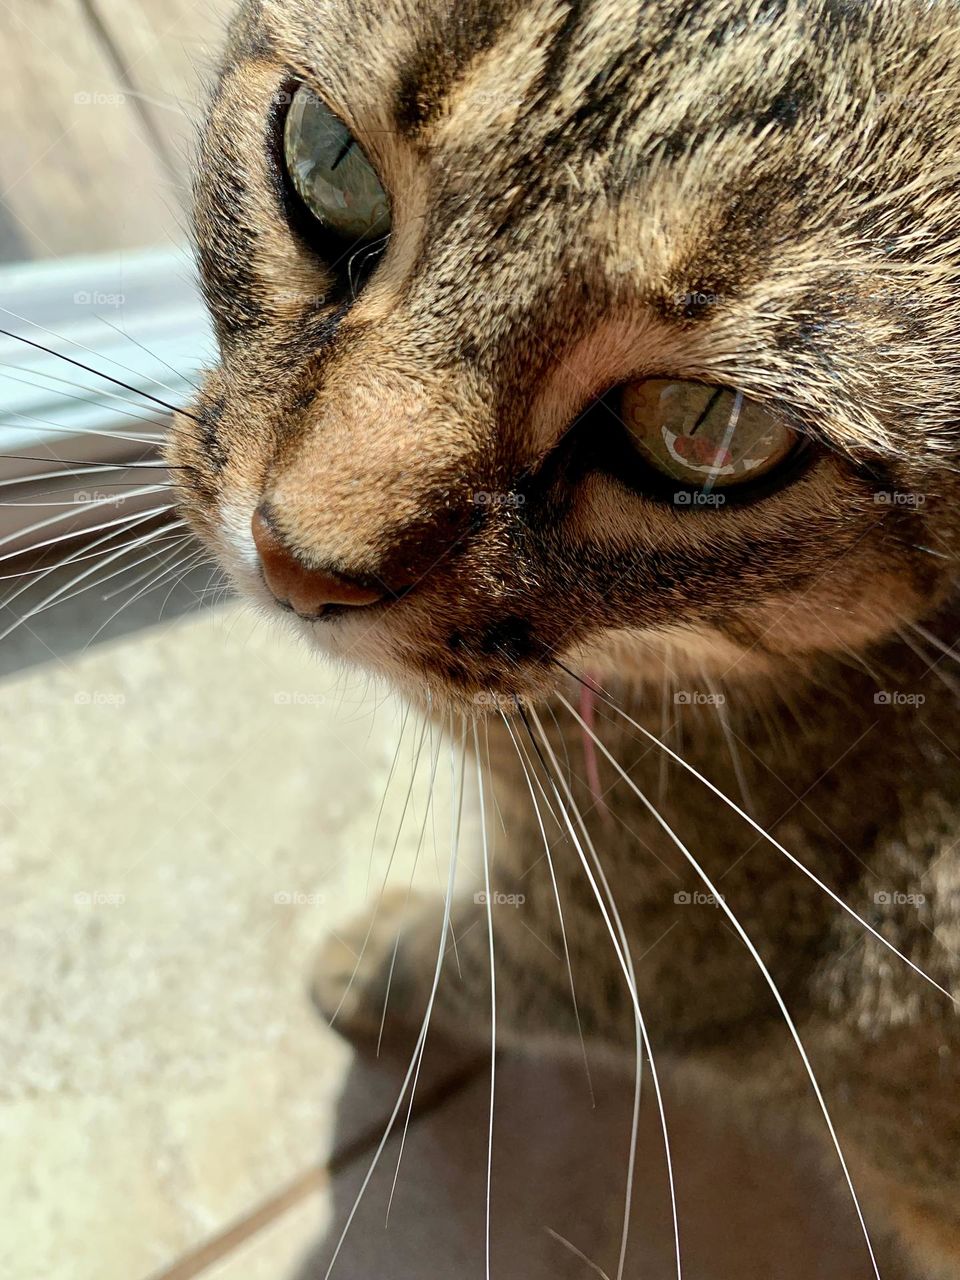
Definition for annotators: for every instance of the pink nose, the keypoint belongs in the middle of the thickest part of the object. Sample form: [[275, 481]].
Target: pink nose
[[307, 591]]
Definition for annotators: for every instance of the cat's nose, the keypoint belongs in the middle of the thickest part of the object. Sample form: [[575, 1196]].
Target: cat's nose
[[305, 590]]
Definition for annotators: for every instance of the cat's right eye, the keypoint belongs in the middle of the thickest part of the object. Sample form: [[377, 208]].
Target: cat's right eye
[[330, 172], [705, 436]]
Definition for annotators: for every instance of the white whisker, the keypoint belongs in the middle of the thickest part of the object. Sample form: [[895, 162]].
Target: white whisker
[[835, 897], [758, 960], [493, 1000], [642, 1038], [529, 773], [421, 1040], [456, 811]]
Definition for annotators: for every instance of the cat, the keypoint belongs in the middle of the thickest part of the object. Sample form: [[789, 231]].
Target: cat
[[589, 372]]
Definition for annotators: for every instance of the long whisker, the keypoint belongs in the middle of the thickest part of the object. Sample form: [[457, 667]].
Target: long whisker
[[137, 373], [413, 872], [45, 604], [156, 576], [154, 421], [758, 960], [529, 774], [493, 998], [456, 812], [115, 528], [421, 1040], [155, 550], [146, 463], [640, 1028], [56, 428], [386, 789], [74, 533], [835, 897], [383, 886], [97, 373], [152, 354]]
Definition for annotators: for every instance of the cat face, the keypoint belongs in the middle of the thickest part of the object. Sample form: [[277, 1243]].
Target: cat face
[[475, 432]]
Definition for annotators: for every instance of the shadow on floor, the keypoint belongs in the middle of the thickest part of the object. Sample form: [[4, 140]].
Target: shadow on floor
[[747, 1210]]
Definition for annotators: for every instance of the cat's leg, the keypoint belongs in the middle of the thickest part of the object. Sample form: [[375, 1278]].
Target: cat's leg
[[376, 976]]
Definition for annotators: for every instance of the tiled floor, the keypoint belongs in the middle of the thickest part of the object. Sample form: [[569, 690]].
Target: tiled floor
[[183, 815]]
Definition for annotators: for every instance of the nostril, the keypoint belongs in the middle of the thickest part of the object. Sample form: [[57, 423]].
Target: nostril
[[308, 591]]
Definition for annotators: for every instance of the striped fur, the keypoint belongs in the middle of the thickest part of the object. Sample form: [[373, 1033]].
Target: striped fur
[[761, 194]]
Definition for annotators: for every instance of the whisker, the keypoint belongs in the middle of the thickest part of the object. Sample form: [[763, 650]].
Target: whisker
[[413, 872], [37, 476], [383, 886], [156, 549], [25, 505], [157, 463], [45, 604], [529, 774], [577, 1253], [493, 997], [626, 963], [386, 789], [456, 811], [97, 373], [137, 373], [73, 533], [152, 354], [44, 424], [761, 831], [765, 972], [76, 557], [421, 1040], [154, 421], [184, 570]]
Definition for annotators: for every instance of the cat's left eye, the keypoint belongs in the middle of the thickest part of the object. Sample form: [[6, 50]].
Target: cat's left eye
[[330, 172], [704, 436]]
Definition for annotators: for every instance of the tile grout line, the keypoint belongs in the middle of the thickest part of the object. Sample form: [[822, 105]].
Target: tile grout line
[[220, 1246]]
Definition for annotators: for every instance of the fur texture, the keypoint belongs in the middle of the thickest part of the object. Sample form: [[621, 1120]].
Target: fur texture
[[586, 193]]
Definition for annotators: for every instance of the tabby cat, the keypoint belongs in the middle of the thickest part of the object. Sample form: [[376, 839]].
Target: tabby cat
[[589, 371]]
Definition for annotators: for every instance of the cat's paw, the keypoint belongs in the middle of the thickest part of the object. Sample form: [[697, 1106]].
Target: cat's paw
[[372, 979]]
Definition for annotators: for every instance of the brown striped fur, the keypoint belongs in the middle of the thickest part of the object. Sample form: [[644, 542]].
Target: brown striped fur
[[762, 195]]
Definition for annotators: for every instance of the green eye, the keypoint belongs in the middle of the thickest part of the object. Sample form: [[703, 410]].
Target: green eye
[[704, 436], [333, 177]]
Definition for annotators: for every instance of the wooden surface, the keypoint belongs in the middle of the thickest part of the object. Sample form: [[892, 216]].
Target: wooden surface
[[100, 100]]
